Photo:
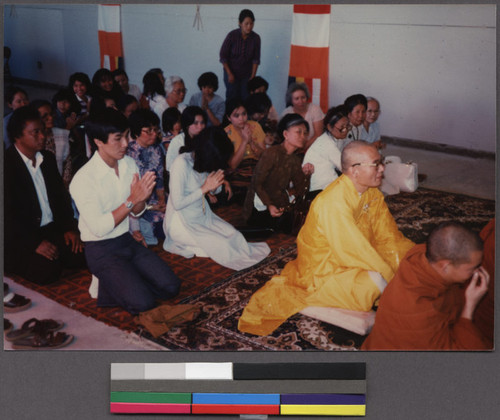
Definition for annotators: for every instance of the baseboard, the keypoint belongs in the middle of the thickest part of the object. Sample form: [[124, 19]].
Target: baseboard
[[438, 147]]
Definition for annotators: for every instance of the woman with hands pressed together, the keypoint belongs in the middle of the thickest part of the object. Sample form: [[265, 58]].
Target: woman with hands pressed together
[[269, 195], [247, 136], [191, 228]]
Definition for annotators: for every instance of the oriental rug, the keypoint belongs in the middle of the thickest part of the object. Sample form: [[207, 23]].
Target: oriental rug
[[222, 293], [222, 304]]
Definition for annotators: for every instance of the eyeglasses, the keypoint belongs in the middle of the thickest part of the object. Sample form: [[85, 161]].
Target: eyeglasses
[[150, 131], [180, 91], [380, 162], [347, 127]]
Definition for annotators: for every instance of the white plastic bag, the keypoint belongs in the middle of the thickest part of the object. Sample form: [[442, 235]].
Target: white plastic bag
[[399, 176]]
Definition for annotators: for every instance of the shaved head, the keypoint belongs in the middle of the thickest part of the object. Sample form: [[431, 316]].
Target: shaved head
[[454, 242], [356, 151]]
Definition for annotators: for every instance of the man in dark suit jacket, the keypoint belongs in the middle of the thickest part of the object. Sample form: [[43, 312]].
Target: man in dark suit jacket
[[41, 234]]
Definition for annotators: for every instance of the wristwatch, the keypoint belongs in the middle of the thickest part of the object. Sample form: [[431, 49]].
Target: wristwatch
[[129, 204]]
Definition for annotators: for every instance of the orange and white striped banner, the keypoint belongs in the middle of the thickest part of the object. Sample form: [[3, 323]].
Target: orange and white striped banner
[[110, 36], [309, 53]]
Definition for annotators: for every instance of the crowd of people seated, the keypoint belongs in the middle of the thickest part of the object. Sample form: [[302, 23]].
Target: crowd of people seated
[[136, 167]]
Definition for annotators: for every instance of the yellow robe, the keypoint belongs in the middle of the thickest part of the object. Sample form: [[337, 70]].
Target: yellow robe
[[345, 235]]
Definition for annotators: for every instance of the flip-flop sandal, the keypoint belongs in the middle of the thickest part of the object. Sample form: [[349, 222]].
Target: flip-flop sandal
[[47, 341], [7, 326], [34, 326], [12, 302]]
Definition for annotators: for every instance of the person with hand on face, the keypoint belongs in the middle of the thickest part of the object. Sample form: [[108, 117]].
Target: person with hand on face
[[191, 228], [268, 196], [208, 100], [106, 190], [41, 234], [297, 101], [348, 249], [240, 56], [431, 301], [371, 126]]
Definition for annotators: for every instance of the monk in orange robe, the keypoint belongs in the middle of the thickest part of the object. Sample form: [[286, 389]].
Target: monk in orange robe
[[348, 249], [425, 306], [485, 312]]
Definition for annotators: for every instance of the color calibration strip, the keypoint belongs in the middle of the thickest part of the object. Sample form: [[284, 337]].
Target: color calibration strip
[[329, 389]]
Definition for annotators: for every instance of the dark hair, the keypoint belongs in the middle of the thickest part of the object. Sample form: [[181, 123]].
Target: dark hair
[[333, 115], [100, 125], [38, 103], [152, 84], [288, 121], [258, 102], [156, 70], [169, 117], [233, 104], [66, 94], [98, 103], [119, 72], [352, 101], [125, 101], [294, 87], [11, 91], [452, 241], [212, 150], [101, 74], [80, 77], [244, 14], [187, 118], [20, 117], [208, 79], [257, 82], [142, 118]]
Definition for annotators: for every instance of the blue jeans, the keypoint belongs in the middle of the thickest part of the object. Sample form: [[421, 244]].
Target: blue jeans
[[130, 275]]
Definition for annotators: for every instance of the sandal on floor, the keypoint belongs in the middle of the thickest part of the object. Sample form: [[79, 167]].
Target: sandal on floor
[[34, 326], [45, 341], [13, 302], [7, 326]]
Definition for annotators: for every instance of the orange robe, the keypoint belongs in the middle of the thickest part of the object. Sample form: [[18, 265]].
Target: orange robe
[[419, 311], [485, 311], [345, 235]]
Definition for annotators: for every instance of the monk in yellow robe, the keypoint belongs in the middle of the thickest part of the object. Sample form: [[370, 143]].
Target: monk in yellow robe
[[348, 249], [430, 302]]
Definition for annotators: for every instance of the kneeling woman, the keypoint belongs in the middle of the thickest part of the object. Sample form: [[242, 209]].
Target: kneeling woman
[[269, 194], [191, 228]]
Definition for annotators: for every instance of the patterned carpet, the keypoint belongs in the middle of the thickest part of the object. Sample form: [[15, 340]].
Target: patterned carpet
[[222, 293]]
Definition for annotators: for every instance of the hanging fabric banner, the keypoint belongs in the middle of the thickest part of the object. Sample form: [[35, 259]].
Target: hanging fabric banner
[[310, 50], [110, 36]]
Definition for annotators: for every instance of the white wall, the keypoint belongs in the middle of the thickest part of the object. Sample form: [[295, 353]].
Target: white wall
[[433, 67]]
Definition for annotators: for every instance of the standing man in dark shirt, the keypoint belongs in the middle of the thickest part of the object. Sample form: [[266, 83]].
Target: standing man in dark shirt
[[240, 56]]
